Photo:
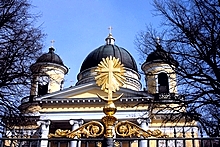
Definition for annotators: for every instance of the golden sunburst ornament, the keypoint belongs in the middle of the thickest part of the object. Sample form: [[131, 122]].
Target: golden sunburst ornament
[[110, 75]]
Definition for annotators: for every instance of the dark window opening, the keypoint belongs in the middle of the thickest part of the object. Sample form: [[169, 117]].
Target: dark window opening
[[163, 84], [43, 84]]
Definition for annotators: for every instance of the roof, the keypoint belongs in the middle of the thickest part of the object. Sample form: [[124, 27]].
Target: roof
[[109, 49], [50, 57], [160, 55], [95, 57]]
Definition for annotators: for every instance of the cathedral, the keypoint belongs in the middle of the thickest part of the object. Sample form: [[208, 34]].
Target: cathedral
[[56, 108]]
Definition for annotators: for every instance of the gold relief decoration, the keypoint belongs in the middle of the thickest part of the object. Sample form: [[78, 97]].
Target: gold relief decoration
[[129, 129], [99, 144], [117, 144], [90, 129], [109, 122], [59, 133]]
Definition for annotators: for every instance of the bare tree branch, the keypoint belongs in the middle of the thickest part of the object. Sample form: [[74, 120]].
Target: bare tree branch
[[192, 37], [20, 45]]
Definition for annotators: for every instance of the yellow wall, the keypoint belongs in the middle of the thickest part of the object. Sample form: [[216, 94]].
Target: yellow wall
[[152, 70], [56, 75]]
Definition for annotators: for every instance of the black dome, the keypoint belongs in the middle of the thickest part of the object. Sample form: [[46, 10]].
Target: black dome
[[160, 55], [50, 57], [95, 57]]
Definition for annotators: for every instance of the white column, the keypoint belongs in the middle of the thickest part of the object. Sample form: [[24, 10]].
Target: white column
[[75, 125], [44, 125], [144, 125]]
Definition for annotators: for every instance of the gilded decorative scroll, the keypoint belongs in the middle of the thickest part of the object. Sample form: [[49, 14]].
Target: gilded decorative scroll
[[59, 133], [109, 122], [99, 144], [117, 144], [129, 129], [90, 129]]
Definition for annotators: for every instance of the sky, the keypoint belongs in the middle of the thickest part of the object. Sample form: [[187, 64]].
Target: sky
[[80, 26]]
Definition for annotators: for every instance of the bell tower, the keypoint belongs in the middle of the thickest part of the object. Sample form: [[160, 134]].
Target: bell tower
[[48, 74], [159, 69]]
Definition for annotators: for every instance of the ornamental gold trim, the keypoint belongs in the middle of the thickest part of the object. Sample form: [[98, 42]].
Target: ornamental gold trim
[[129, 129], [91, 129], [109, 122], [59, 133]]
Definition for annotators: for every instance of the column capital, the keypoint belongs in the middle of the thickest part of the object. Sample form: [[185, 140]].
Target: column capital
[[143, 120], [76, 121], [43, 122]]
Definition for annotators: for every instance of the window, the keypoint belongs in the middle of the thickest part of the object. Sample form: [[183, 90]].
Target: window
[[43, 84], [163, 84]]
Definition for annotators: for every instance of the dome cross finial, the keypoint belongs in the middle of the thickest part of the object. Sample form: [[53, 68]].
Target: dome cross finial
[[52, 42], [110, 39], [51, 49], [110, 29]]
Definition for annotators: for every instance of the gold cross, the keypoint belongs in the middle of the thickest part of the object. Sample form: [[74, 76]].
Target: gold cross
[[110, 76], [110, 71]]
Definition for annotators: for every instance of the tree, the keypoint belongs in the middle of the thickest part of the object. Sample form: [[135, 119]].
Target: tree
[[20, 45], [191, 34]]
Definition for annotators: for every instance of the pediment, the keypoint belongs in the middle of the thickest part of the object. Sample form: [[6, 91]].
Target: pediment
[[89, 91]]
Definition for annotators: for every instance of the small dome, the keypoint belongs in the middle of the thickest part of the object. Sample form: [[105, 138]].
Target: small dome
[[160, 55], [95, 57], [50, 57]]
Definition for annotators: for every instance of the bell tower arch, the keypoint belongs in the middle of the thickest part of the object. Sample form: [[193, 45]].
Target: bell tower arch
[[48, 74], [163, 83], [159, 69]]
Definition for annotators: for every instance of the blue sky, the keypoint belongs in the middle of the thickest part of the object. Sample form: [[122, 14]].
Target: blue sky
[[80, 26]]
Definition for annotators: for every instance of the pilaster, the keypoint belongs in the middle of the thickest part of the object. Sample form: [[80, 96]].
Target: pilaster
[[44, 129], [75, 125], [144, 122]]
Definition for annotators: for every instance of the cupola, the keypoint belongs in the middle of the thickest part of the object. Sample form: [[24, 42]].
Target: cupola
[[48, 73], [50, 57], [87, 70], [160, 55], [159, 69]]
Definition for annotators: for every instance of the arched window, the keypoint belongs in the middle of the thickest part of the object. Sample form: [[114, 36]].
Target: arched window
[[43, 83], [163, 84]]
